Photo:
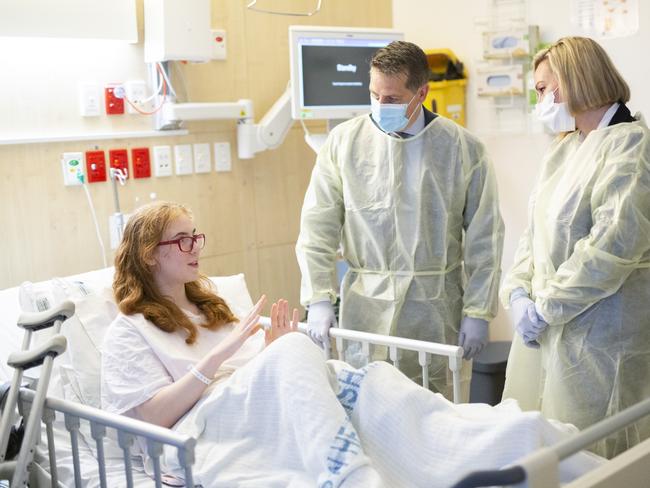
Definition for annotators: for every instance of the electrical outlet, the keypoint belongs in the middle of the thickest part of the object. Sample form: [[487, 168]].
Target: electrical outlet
[[222, 156], [114, 104], [141, 162], [119, 159], [183, 159], [202, 161], [95, 166], [162, 161], [72, 166], [90, 100], [218, 46], [136, 92]]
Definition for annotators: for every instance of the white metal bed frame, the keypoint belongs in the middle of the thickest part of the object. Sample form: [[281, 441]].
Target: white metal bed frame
[[33, 404]]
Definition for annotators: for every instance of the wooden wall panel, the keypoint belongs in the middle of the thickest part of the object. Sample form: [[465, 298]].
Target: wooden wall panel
[[250, 215]]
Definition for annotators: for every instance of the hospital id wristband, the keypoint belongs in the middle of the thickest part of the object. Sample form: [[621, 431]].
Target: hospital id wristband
[[200, 376]]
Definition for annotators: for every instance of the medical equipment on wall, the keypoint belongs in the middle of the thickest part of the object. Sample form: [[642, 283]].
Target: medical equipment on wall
[[251, 138], [175, 31], [509, 42], [72, 164], [519, 42], [499, 81], [330, 69], [329, 81], [330, 73]]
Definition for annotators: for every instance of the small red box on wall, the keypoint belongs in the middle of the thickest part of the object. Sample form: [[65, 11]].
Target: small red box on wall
[[119, 159], [114, 105], [141, 162], [95, 166]]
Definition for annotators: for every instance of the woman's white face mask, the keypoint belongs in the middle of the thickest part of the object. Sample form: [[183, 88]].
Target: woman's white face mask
[[553, 115]]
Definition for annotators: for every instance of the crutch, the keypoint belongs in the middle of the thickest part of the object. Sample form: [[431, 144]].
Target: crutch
[[21, 361]]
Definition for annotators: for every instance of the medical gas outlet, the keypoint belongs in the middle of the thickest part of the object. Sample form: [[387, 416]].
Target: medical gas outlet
[[72, 164]]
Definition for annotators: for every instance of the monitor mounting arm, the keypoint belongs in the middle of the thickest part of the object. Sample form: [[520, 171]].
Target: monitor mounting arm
[[252, 138]]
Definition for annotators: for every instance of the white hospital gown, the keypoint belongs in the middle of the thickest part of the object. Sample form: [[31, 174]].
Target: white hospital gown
[[139, 359]]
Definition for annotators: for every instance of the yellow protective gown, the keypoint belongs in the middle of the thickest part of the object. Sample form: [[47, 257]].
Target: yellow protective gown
[[418, 223], [585, 260]]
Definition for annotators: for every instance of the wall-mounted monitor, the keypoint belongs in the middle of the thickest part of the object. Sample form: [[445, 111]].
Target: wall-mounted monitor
[[330, 69]]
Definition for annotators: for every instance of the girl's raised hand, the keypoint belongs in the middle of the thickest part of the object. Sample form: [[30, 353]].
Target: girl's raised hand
[[242, 330], [280, 323]]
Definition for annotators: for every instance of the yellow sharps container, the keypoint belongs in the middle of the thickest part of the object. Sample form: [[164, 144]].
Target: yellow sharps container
[[446, 95]]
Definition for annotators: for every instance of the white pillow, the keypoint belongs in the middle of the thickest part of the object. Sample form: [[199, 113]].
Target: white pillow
[[234, 291], [78, 368], [36, 297], [85, 333]]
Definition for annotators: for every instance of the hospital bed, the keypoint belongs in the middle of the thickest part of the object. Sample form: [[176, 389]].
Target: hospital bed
[[82, 446]]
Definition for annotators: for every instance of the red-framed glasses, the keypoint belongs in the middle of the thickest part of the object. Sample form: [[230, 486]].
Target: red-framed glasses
[[187, 243]]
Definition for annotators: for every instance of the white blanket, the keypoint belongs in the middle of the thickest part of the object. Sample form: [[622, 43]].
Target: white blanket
[[290, 419]]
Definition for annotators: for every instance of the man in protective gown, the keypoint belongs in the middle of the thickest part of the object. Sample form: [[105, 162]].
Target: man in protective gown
[[410, 200]]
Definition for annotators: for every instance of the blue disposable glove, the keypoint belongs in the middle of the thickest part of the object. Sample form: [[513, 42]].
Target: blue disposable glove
[[528, 324], [473, 336], [320, 317]]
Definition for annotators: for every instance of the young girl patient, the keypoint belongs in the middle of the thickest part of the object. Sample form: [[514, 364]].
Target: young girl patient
[[266, 408], [174, 334]]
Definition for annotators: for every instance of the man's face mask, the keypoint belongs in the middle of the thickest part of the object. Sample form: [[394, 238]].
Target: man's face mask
[[553, 115], [391, 117]]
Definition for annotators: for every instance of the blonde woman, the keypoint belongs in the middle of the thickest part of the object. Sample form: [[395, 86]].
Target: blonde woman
[[579, 290]]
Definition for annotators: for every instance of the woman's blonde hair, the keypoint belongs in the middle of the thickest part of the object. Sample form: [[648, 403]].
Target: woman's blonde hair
[[134, 286], [588, 79]]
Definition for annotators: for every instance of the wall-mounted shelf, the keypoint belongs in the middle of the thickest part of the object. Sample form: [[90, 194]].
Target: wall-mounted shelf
[[16, 139]]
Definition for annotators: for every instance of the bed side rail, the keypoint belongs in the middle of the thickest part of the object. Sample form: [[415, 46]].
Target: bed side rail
[[127, 430], [546, 460], [395, 344]]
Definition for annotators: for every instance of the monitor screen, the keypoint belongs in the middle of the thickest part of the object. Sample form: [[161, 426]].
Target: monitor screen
[[330, 70]]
